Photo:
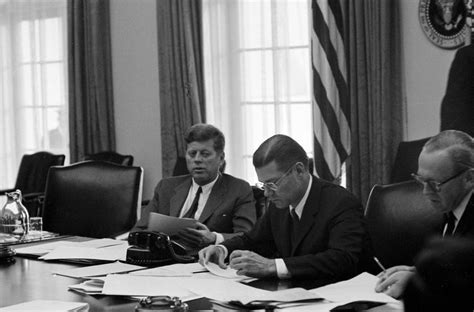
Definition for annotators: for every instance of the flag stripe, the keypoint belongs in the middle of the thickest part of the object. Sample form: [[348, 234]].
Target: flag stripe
[[321, 66], [330, 100], [321, 167], [337, 12], [322, 31], [328, 114]]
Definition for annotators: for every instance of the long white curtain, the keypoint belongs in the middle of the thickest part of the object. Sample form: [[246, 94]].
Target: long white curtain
[[257, 75], [33, 108]]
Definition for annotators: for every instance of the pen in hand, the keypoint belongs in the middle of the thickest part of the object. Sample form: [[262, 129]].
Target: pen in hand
[[380, 264]]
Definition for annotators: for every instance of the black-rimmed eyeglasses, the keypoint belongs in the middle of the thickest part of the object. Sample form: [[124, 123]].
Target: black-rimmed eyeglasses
[[433, 184], [273, 186]]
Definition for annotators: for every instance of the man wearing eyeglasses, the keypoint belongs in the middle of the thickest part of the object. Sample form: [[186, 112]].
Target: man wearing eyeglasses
[[312, 229], [445, 171]]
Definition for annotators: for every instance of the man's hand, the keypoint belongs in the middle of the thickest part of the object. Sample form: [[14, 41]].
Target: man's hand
[[201, 236], [251, 264], [393, 281], [213, 254]]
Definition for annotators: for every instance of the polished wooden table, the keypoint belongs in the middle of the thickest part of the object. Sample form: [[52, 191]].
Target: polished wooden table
[[30, 279]]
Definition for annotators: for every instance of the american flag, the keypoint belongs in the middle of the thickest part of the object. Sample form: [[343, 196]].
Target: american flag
[[331, 113]]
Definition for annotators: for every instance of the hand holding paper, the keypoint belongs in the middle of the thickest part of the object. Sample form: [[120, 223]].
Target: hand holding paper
[[252, 264]]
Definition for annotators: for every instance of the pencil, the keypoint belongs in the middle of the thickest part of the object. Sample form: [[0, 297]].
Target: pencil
[[380, 264]]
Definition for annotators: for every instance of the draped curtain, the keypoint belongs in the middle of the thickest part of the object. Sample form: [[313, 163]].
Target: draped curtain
[[91, 110], [375, 91], [180, 75]]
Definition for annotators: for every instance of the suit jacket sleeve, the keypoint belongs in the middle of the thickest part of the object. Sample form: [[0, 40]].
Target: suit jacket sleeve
[[244, 211], [340, 259], [259, 239]]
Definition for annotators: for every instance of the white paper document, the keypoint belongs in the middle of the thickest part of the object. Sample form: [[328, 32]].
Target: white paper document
[[111, 253], [99, 270], [169, 225], [91, 287], [177, 269], [48, 305], [135, 285], [228, 291], [359, 288], [42, 249]]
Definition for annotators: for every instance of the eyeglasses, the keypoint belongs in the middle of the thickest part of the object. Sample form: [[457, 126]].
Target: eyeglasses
[[273, 186], [435, 185]]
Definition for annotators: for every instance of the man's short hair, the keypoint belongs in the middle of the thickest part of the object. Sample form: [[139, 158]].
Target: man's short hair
[[459, 146], [283, 150], [203, 132]]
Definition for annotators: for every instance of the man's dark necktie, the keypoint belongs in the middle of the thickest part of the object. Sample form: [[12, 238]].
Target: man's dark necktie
[[295, 221], [194, 206], [450, 222]]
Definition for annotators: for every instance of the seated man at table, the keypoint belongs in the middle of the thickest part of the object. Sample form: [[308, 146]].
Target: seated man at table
[[223, 205], [312, 229], [444, 277], [445, 171]]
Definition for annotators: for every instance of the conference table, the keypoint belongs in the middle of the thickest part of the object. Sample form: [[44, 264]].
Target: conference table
[[30, 279]]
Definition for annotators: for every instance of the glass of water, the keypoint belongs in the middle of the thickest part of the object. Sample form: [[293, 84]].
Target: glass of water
[[36, 226]]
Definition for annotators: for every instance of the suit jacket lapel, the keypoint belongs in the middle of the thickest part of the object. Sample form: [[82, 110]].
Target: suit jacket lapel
[[215, 198], [179, 197], [466, 223], [310, 210], [283, 235]]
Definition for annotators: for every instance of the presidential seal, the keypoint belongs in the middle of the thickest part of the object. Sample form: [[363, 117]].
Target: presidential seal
[[444, 21]]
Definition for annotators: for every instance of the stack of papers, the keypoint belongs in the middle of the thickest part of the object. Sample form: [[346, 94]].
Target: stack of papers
[[88, 252]]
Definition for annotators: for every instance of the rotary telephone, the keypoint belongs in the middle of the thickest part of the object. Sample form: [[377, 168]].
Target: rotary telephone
[[150, 248]]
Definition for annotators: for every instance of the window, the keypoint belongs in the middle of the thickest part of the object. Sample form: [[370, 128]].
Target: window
[[33, 88], [257, 70]]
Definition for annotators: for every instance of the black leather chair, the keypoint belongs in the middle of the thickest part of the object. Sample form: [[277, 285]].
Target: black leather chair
[[406, 160], [92, 198], [113, 157], [31, 178], [399, 220]]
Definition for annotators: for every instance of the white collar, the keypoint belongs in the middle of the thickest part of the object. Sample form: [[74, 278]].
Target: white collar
[[300, 206], [206, 188]]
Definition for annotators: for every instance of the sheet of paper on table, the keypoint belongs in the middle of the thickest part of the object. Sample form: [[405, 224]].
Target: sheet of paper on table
[[135, 285], [359, 288], [227, 290], [44, 248], [99, 270], [176, 270], [169, 225], [110, 253]]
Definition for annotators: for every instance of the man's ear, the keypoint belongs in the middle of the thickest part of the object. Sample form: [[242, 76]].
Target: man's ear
[[300, 168], [470, 178]]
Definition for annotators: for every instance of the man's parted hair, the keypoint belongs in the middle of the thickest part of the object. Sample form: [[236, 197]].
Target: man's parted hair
[[283, 150], [459, 146], [203, 132]]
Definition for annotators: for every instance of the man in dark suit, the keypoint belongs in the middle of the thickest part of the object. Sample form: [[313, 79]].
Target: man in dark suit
[[444, 278], [446, 172], [223, 205], [312, 229], [457, 107]]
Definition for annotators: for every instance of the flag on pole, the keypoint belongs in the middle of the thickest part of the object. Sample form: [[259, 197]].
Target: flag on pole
[[330, 100]]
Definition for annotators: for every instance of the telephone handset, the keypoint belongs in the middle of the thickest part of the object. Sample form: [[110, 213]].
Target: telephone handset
[[150, 248]]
